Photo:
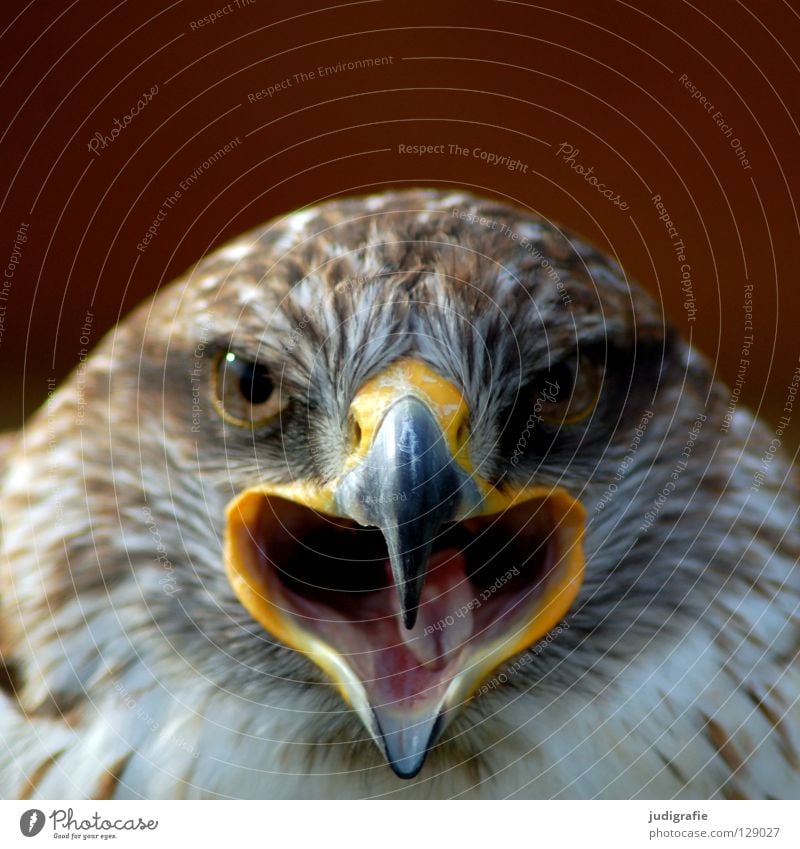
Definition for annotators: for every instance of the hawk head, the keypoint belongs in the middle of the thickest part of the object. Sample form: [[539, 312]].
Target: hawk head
[[385, 458]]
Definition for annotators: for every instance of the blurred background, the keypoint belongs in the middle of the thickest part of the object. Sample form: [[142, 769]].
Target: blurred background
[[140, 135]]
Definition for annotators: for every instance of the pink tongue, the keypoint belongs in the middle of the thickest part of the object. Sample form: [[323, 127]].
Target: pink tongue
[[444, 623]]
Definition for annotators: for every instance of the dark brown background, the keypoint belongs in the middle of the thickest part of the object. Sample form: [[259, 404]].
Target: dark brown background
[[511, 78]]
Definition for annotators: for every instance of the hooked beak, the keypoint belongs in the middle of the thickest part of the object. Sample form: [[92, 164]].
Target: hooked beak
[[408, 580], [409, 486]]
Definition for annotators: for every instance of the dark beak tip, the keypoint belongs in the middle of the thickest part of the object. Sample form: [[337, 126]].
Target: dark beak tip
[[407, 752], [408, 768], [410, 617]]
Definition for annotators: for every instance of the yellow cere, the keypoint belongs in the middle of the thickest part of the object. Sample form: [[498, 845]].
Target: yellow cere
[[403, 378]]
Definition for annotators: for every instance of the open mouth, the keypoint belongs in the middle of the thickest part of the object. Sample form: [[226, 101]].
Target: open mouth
[[483, 580], [406, 577], [324, 585]]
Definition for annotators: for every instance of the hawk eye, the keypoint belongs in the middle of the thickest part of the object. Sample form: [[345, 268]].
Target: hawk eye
[[244, 393], [568, 391]]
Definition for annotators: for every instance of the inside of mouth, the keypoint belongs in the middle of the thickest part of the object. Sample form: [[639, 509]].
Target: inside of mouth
[[333, 578]]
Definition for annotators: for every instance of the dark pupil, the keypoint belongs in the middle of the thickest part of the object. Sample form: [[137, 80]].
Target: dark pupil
[[254, 382]]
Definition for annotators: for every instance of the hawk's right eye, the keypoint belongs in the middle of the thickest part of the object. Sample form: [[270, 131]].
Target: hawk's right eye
[[244, 393]]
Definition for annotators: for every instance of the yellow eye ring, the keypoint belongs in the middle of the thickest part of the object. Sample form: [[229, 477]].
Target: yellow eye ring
[[243, 391]]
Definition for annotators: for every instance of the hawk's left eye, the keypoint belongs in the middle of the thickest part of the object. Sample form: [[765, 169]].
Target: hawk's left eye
[[244, 392], [569, 390]]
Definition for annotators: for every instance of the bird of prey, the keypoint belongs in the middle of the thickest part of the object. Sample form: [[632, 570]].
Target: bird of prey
[[407, 495]]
